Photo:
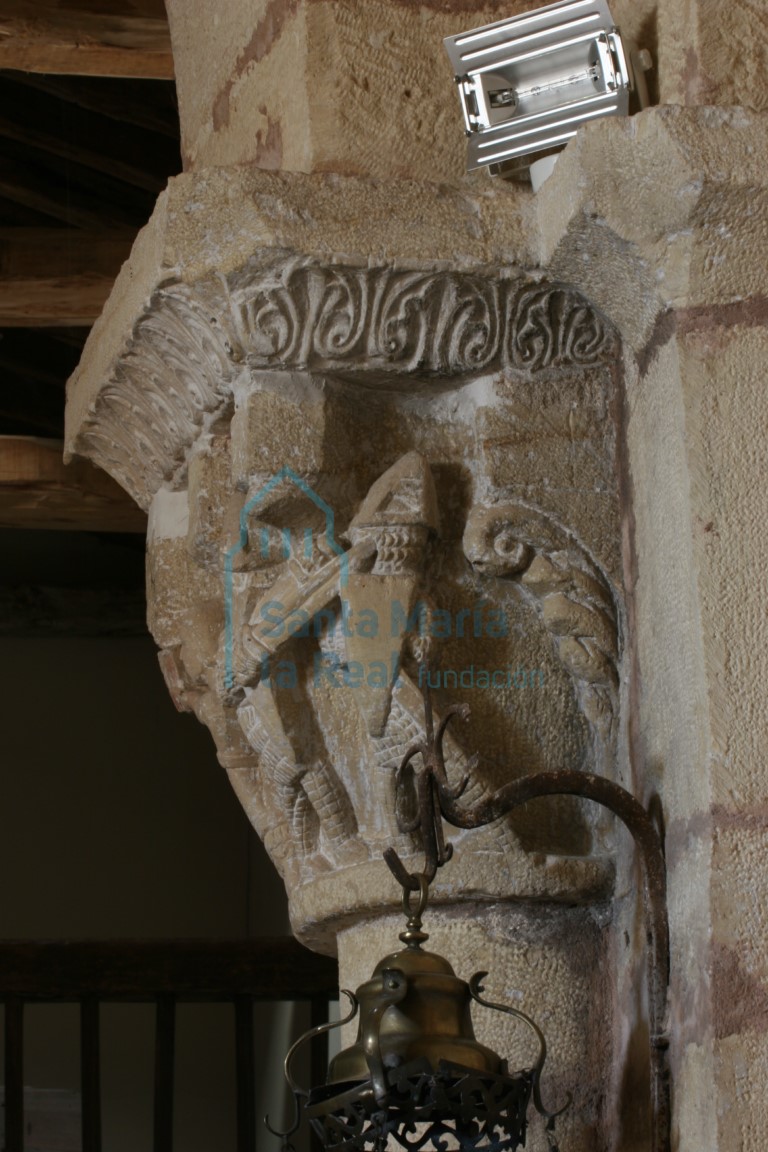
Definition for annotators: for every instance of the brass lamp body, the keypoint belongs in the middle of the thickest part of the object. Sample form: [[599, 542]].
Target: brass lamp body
[[416, 1061], [431, 1022]]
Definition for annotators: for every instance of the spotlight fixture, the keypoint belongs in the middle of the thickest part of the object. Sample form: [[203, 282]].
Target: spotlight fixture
[[527, 84], [416, 1076]]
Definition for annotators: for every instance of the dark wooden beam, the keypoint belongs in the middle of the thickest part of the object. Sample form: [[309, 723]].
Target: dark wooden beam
[[266, 968], [28, 421], [38, 120], [26, 184], [71, 337], [24, 372], [63, 251], [36, 355], [13, 215], [78, 196], [38, 490], [44, 36], [57, 276], [73, 299], [150, 105]]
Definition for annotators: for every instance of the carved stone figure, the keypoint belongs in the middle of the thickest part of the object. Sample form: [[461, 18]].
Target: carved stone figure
[[333, 570]]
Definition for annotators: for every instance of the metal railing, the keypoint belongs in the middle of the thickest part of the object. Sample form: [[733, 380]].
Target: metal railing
[[165, 973]]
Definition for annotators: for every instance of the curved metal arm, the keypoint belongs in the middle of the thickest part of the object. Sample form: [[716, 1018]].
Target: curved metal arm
[[429, 782], [475, 988], [634, 816], [393, 988], [301, 1093]]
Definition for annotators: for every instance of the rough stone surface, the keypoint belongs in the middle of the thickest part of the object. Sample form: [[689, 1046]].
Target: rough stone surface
[[312, 85], [449, 404], [549, 620], [219, 232], [361, 87], [712, 53], [691, 309], [676, 221], [416, 353]]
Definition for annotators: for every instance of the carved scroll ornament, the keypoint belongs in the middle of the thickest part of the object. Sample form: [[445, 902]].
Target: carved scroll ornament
[[188, 348], [431, 323]]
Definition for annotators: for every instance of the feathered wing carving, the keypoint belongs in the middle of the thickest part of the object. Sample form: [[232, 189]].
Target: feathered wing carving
[[572, 596]]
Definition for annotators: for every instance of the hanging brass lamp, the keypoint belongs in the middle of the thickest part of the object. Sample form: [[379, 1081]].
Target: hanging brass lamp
[[416, 1076], [416, 1073]]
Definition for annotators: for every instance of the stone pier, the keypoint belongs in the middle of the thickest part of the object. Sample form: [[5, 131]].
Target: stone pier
[[381, 412]]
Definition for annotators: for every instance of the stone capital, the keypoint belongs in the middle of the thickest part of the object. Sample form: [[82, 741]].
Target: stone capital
[[325, 342], [531, 433]]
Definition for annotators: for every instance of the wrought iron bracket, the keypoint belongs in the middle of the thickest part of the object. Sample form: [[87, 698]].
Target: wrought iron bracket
[[438, 801]]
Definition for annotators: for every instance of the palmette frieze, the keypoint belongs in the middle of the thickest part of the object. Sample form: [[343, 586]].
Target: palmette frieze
[[177, 372], [435, 323]]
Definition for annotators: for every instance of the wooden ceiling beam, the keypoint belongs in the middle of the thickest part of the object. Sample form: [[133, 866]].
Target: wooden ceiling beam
[[38, 120], [46, 37], [18, 216], [29, 423], [150, 106], [29, 302], [28, 370], [20, 184], [15, 186], [38, 490], [38, 354], [51, 277], [68, 192], [67, 300], [72, 336]]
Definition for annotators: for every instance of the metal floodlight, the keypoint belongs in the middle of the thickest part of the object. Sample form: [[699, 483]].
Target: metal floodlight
[[527, 84]]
